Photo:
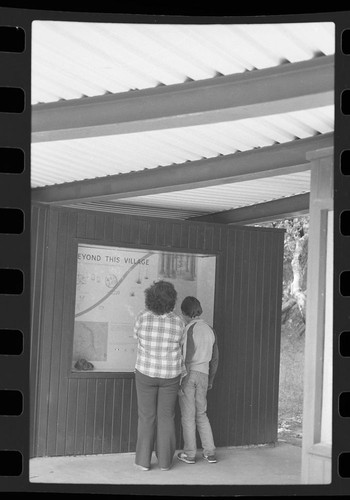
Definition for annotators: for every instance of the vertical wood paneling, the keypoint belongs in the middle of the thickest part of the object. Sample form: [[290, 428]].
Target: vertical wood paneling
[[117, 229], [108, 417], [274, 348], [125, 434], [208, 239], [269, 347], [71, 408], [261, 361], [99, 415], [252, 285], [168, 235], [108, 227], [152, 232], [257, 343], [184, 236], [176, 235], [118, 414], [81, 225], [44, 389], [271, 378], [224, 328], [241, 322], [80, 417], [277, 325], [126, 228], [58, 315], [38, 242], [192, 236], [200, 236], [90, 409], [68, 307], [217, 238], [143, 232], [134, 231], [226, 338], [265, 341], [90, 225], [249, 361], [99, 227], [160, 234]]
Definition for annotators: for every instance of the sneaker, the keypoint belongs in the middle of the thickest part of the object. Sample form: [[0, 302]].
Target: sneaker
[[210, 458], [141, 467], [165, 468], [185, 458]]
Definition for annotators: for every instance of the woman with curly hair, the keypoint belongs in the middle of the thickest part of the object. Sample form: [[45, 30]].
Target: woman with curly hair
[[158, 370]]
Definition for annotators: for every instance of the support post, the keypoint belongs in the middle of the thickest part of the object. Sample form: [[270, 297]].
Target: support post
[[317, 409]]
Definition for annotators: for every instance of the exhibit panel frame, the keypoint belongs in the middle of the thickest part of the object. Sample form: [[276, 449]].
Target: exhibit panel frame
[[109, 280], [92, 412]]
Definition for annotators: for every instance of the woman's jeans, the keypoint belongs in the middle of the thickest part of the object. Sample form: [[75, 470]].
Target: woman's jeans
[[193, 405], [156, 400]]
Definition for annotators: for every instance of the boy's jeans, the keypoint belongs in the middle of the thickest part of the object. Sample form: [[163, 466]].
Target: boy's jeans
[[193, 405]]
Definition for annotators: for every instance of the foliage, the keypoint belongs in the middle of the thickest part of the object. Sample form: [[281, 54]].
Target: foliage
[[297, 230], [294, 269]]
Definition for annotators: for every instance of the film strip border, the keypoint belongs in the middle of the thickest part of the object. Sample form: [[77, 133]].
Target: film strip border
[[341, 321], [14, 248], [15, 207]]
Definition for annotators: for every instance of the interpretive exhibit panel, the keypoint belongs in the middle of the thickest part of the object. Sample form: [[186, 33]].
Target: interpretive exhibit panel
[[110, 287], [93, 410]]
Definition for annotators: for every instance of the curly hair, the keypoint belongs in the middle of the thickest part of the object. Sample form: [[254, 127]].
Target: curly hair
[[191, 307], [161, 297]]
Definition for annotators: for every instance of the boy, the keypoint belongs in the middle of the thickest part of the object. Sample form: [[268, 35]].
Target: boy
[[201, 358]]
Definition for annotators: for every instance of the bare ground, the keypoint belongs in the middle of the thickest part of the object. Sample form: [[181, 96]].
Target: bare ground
[[290, 412], [290, 431]]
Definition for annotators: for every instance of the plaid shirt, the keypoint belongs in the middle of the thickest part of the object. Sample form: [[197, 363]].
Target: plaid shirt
[[159, 349]]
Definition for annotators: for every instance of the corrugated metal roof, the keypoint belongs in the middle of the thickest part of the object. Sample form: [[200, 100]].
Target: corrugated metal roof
[[201, 201], [77, 59], [227, 196], [135, 209], [64, 161]]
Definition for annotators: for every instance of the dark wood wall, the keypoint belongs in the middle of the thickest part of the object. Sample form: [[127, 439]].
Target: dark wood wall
[[92, 413], [243, 407]]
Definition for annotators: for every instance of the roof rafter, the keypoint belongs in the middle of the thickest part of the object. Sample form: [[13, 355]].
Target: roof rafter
[[285, 88], [249, 165], [290, 206]]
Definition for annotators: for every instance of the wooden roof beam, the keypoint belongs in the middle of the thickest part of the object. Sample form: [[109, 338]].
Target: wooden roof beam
[[258, 163], [285, 88], [291, 206]]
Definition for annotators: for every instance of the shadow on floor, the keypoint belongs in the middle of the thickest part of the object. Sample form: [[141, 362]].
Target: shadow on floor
[[253, 465]]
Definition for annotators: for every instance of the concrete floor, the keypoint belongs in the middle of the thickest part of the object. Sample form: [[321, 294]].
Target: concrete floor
[[255, 465]]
